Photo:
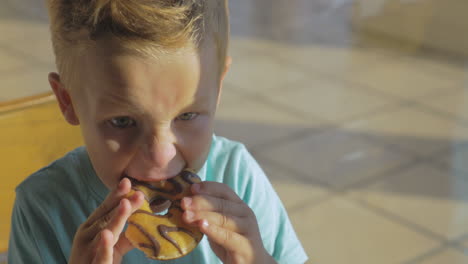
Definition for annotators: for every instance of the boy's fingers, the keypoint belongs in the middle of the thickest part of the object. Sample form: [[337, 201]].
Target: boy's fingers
[[111, 201], [115, 220], [215, 189], [123, 212], [233, 223], [225, 238], [123, 245], [117, 223], [105, 249], [214, 204]]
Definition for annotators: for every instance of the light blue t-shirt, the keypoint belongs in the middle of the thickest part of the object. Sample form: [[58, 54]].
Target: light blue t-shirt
[[52, 203]]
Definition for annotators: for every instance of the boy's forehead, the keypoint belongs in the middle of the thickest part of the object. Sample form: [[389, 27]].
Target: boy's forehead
[[105, 52], [114, 74]]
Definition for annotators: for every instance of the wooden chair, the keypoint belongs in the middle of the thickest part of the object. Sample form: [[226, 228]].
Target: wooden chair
[[33, 133]]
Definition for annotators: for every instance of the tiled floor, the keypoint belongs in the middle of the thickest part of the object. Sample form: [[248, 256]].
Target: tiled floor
[[366, 143]]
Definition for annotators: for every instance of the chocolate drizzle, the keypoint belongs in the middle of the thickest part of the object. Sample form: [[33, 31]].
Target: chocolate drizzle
[[189, 176], [178, 188], [162, 196], [164, 230], [155, 245], [159, 204]]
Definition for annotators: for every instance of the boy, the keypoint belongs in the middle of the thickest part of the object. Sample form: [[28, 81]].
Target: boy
[[143, 78]]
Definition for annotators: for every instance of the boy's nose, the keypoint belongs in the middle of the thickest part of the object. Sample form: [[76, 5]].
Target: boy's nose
[[160, 152], [157, 158]]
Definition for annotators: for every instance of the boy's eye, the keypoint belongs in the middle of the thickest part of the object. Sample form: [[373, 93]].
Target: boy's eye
[[122, 122], [187, 116]]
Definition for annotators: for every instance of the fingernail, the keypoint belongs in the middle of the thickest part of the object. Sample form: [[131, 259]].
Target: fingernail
[[187, 202], [120, 184], [189, 215], [205, 224]]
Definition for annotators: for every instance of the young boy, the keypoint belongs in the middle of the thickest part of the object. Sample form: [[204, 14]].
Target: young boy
[[143, 79]]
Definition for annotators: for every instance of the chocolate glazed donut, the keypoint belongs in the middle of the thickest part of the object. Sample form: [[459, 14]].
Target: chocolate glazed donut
[[163, 236]]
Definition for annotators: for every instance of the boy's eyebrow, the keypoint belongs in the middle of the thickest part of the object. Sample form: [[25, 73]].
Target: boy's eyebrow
[[127, 101]]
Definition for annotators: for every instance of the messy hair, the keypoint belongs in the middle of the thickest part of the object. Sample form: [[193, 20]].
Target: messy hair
[[140, 26]]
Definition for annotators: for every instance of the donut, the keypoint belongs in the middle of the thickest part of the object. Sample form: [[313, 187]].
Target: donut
[[157, 228]]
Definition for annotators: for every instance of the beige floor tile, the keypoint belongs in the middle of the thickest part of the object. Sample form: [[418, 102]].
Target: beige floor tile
[[412, 129], [449, 256], [407, 78], [426, 196], [336, 157], [245, 47], [29, 82], [256, 73], [330, 60], [10, 63], [465, 244], [439, 66], [292, 191], [296, 194], [339, 231], [254, 123], [15, 28], [29, 38], [454, 102], [329, 99]]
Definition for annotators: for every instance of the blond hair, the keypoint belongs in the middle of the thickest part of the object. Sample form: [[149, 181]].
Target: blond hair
[[140, 26]]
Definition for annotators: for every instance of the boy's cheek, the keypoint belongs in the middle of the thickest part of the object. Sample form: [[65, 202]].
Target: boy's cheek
[[113, 145]]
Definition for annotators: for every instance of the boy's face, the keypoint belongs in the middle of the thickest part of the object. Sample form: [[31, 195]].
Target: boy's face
[[143, 117]]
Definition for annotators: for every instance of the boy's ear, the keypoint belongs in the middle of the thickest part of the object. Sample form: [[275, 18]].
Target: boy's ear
[[227, 66], [63, 99]]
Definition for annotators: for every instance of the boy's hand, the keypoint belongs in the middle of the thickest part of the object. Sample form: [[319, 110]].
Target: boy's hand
[[100, 238], [229, 224]]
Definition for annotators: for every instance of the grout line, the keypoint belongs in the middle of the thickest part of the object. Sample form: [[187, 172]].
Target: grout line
[[309, 203], [359, 85], [431, 253], [393, 147], [441, 114], [401, 221], [391, 172], [456, 245], [285, 108], [295, 174], [297, 135], [412, 160], [394, 104], [384, 109], [264, 100], [449, 244], [356, 85], [368, 89]]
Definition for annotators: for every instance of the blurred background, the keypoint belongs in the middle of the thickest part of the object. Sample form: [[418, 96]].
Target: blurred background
[[356, 109]]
